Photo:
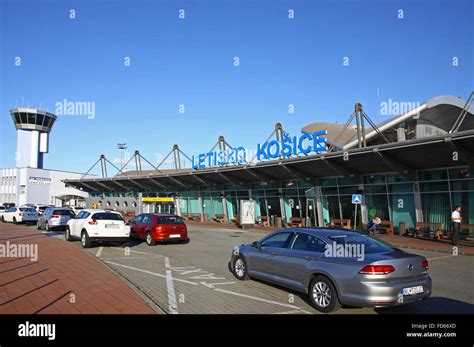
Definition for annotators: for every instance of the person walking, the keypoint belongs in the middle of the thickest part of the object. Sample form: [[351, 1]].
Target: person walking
[[456, 221], [373, 225]]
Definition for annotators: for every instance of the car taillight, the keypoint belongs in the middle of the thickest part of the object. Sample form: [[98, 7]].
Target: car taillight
[[21, 214], [93, 222], [425, 264], [377, 269], [158, 228], [54, 216]]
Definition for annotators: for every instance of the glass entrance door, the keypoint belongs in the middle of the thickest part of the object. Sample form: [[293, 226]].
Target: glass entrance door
[[164, 207]]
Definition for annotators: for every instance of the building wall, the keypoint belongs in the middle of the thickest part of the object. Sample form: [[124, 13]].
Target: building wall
[[122, 204], [8, 185], [36, 186]]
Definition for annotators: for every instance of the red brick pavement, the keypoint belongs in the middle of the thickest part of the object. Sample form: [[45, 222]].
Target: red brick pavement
[[64, 279]]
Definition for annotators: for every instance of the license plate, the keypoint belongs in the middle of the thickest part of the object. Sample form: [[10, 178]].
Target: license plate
[[111, 226], [412, 290], [174, 236]]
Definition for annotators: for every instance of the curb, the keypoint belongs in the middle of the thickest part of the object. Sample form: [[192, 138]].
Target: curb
[[446, 251]]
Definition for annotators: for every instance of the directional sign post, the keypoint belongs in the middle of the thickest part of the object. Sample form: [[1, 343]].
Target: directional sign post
[[356, 200]]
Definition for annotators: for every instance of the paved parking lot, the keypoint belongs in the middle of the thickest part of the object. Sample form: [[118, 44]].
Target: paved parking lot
[[194, 278]]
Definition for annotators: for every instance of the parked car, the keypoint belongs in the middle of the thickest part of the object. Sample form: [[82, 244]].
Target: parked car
[[41, 208], [20, 215], [94, 225], [297, 258], [158, 227], [54, 218], [76, 209]]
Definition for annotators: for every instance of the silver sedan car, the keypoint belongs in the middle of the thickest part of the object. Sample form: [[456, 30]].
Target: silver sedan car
[[335, 267], [54, 218]]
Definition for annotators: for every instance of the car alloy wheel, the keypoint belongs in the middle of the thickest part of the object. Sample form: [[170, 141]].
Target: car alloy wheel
[[240, 268], [149, 239], [85, 241], [322, 294], [68, 235]]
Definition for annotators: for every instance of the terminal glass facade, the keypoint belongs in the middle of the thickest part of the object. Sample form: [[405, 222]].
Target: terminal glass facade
[[392, 197]]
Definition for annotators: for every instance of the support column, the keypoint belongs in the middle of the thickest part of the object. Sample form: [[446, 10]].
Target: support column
[[283, 212], [201, 209], [140, 202], [177, 206], [363, 209], [417, 198], [224, 208], [319, 206]]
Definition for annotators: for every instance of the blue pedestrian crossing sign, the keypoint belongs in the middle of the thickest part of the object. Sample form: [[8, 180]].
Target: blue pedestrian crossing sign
[[357, 199]]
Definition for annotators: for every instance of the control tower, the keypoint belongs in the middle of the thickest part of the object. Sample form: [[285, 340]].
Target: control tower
[[33, 127]]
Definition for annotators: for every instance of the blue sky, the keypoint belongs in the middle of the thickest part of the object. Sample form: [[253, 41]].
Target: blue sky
[[191, 62]]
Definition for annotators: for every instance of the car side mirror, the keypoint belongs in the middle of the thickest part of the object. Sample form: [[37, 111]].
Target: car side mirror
[[256, 244]]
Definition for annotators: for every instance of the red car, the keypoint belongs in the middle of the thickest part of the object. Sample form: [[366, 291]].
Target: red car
[[159, 227]]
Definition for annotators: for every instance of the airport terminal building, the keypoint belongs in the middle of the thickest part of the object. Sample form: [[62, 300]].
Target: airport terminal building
[[414, 167]]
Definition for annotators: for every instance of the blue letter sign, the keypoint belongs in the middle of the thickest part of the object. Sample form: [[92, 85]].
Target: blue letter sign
[[274, 149]]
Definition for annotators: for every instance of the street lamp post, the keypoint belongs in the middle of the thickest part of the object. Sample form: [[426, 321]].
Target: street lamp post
[[121, 147]]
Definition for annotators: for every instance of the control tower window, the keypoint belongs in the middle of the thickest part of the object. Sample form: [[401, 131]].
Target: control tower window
[[47, 120], [31, 118], [39, 119], [23, 118], [17, 118]]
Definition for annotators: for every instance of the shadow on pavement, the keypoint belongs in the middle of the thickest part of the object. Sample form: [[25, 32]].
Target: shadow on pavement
[[432, 305]]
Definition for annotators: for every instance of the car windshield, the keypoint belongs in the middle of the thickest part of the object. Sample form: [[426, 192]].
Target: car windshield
[[370, 245], [171, 220], [107, 216], [27, 209], [63, 212]]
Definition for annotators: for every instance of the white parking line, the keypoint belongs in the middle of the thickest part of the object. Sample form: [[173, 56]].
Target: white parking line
[[172, 304], [148, 272], [130, 258], [131, 250], [258, 299], [99, 252]]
